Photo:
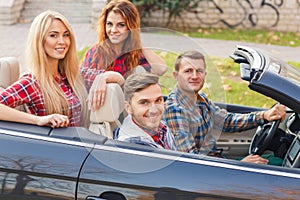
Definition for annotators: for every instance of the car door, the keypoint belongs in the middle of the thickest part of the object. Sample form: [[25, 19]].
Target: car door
[[120, 170], [34, 165]]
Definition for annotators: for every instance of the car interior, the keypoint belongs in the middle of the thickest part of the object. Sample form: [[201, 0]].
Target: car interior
[[104, 121]]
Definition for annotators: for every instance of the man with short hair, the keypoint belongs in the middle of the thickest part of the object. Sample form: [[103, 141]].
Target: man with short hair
[[192, 117], [144, 104]]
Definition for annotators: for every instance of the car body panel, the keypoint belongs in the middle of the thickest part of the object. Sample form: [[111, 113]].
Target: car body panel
[[188, 174], [38, 166]]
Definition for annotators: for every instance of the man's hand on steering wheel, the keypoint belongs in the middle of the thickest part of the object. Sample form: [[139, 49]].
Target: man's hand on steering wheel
[[277, 112], [266, 132]]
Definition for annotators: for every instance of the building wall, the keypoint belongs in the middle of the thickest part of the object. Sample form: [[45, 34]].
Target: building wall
[[279, 15]]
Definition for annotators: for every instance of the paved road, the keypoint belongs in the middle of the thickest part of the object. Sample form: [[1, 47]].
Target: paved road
[[13, 40]]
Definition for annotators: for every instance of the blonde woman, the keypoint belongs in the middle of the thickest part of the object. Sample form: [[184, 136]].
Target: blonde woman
[[53, 89]]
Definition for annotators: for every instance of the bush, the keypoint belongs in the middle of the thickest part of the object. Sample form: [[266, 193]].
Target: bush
[[172, 9]]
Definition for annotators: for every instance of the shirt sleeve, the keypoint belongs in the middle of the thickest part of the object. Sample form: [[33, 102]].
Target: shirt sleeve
[[143, 62], [23, 91], [89, 68], [236, 122], [178, 122]]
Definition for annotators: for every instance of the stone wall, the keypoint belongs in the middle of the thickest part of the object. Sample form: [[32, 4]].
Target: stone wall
[[10, 11], [279, 15], [97, 7]]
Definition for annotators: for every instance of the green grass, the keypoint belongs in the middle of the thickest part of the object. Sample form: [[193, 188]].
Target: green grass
[[225, 85], [256, 36], [81, 53], [239, 93]]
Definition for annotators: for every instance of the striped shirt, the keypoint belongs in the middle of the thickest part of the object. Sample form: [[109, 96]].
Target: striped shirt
[[197, 126]]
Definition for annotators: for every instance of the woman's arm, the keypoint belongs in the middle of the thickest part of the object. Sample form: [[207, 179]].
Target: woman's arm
[[13, 115], [158, 65], [97, 92]]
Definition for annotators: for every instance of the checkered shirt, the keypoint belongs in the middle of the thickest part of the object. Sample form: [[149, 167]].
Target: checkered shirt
[[90, 69], [197, 126], [27, 91]]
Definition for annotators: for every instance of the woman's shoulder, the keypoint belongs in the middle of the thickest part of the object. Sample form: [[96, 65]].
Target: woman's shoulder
[[28, 78], [27, 75], [94, 49]]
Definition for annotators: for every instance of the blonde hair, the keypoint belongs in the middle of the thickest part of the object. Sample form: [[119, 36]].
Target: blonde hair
[[37, 62], [132, 46]]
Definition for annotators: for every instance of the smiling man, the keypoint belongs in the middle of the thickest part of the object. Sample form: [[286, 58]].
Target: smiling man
[[192, 117], [144, 104]]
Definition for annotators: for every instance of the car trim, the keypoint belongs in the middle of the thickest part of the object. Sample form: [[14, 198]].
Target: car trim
[[46, 138], [151, 154], [197, 161]]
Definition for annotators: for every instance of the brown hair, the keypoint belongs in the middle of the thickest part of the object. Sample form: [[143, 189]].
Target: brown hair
[[132, 46], [195, 55], [137, 82]]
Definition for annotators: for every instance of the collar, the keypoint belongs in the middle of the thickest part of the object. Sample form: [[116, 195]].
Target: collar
[[187, 102]]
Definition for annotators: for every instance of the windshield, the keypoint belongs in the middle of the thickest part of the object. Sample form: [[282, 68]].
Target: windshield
[[283, 69]]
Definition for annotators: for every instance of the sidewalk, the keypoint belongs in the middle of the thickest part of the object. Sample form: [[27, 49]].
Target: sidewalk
[[13, 39]]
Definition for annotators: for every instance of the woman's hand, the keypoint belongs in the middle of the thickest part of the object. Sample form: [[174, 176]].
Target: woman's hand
[[54, 120], [97, 94]]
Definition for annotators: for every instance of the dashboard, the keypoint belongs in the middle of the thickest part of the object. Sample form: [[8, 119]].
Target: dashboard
[[292, 158]]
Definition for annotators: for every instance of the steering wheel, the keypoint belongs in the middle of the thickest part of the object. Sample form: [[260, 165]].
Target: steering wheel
[[262, 137]]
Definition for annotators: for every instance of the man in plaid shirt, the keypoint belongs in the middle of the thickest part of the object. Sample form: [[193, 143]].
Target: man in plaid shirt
[[145, 106], [193, 118]]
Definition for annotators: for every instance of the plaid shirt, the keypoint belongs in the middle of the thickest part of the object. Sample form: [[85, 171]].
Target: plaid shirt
[[90, 69], [27, 91], [196, 127], [133, 133]]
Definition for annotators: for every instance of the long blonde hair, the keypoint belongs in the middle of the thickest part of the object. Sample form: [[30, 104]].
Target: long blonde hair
[[132, 46], [37, 62]]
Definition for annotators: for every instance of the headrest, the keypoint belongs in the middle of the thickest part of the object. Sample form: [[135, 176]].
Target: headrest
[[113, 105], [9, 71]]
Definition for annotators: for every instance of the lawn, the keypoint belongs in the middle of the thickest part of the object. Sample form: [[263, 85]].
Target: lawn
[[223, 82], [256, 36]]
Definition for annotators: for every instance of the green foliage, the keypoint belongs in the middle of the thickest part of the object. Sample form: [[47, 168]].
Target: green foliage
[[81, 54], [172, 9]]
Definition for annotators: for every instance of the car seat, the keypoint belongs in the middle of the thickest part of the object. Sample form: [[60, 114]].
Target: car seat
[[106, 119], [9, 71]]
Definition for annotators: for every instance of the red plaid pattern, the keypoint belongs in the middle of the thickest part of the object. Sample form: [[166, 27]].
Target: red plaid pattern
[[27, 91], [90, 69]]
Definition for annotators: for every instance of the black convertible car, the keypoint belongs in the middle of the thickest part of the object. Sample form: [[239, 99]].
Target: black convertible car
[[78, 163]]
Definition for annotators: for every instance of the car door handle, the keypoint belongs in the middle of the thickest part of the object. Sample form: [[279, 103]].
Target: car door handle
[[94, 198]]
